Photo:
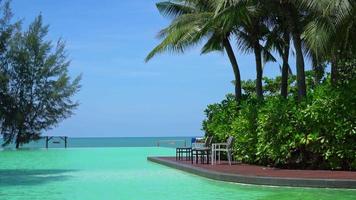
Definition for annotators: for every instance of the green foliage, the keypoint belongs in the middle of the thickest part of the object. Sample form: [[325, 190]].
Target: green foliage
[[347, 71], [274, 132], [248, 87], [244, 130], [220, 117], [313, 125], [318, 133], [36, 90], [330, 121]]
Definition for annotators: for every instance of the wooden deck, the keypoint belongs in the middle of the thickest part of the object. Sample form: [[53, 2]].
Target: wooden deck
[[253, 174]]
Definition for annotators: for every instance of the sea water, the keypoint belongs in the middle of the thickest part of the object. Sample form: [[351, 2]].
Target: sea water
[[110, 142]]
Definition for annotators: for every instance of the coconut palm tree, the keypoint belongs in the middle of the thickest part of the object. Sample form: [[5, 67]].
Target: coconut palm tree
[[292, 22], [249, 33], [249, 36], [278, 39], [295, 18], [194, 21], [331, 33]]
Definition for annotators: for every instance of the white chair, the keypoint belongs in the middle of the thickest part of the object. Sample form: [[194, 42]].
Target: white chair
[[201, 150], [222, 147], [199, 142]]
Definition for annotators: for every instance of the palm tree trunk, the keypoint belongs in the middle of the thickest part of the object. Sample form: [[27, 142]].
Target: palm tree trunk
[[284, 84], [235, 67], [17, 141], [285, 67], [302, 89], [334, 71], [292, 15], [259, 70], [318, 70]]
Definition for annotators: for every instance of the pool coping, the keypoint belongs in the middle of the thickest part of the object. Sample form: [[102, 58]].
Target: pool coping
[[257, 180]]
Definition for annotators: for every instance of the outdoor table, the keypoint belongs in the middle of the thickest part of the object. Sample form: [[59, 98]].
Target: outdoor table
[[200, 152], [183, 152]]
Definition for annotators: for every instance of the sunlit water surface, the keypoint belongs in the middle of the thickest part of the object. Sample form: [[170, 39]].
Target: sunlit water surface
[[125, 173]]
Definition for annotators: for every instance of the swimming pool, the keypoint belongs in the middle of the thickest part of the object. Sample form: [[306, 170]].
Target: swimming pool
[[124, 173]]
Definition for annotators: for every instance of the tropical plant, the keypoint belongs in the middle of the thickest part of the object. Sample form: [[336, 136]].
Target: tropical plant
[[219, 117], [249, 36], [296, 20], [317, 133], [197, 20], [278, 40], [331, 33]]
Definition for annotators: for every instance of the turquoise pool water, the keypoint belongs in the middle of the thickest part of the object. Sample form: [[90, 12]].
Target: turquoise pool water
[[124, 173]]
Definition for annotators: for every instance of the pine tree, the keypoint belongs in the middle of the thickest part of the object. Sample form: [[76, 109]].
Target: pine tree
[[36, 90]]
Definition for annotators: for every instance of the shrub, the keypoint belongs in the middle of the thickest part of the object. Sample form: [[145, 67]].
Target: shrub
[[330, 119], [219, 118], [243, 128], [276, 134], [318, 133]]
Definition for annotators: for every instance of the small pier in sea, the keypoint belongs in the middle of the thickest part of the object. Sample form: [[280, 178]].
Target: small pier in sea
[[56, 140]]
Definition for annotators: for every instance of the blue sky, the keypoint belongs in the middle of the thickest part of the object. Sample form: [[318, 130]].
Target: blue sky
[[121, 95]]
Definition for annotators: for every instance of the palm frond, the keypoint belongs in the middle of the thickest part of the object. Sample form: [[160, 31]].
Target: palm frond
[[184, 32], [214, 43], [173, 9]]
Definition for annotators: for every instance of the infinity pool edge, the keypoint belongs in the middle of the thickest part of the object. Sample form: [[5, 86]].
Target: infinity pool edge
[[257, 180]]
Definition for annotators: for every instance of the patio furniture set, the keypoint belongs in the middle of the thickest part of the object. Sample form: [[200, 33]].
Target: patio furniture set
[[206, 152]]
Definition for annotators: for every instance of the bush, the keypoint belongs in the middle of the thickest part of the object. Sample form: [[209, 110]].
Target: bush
[[330, 119], [319, 133], [275, 132], [243, 128], [220, 117]]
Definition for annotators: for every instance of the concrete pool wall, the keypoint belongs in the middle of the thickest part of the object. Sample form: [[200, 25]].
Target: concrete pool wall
[[254, 179]]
